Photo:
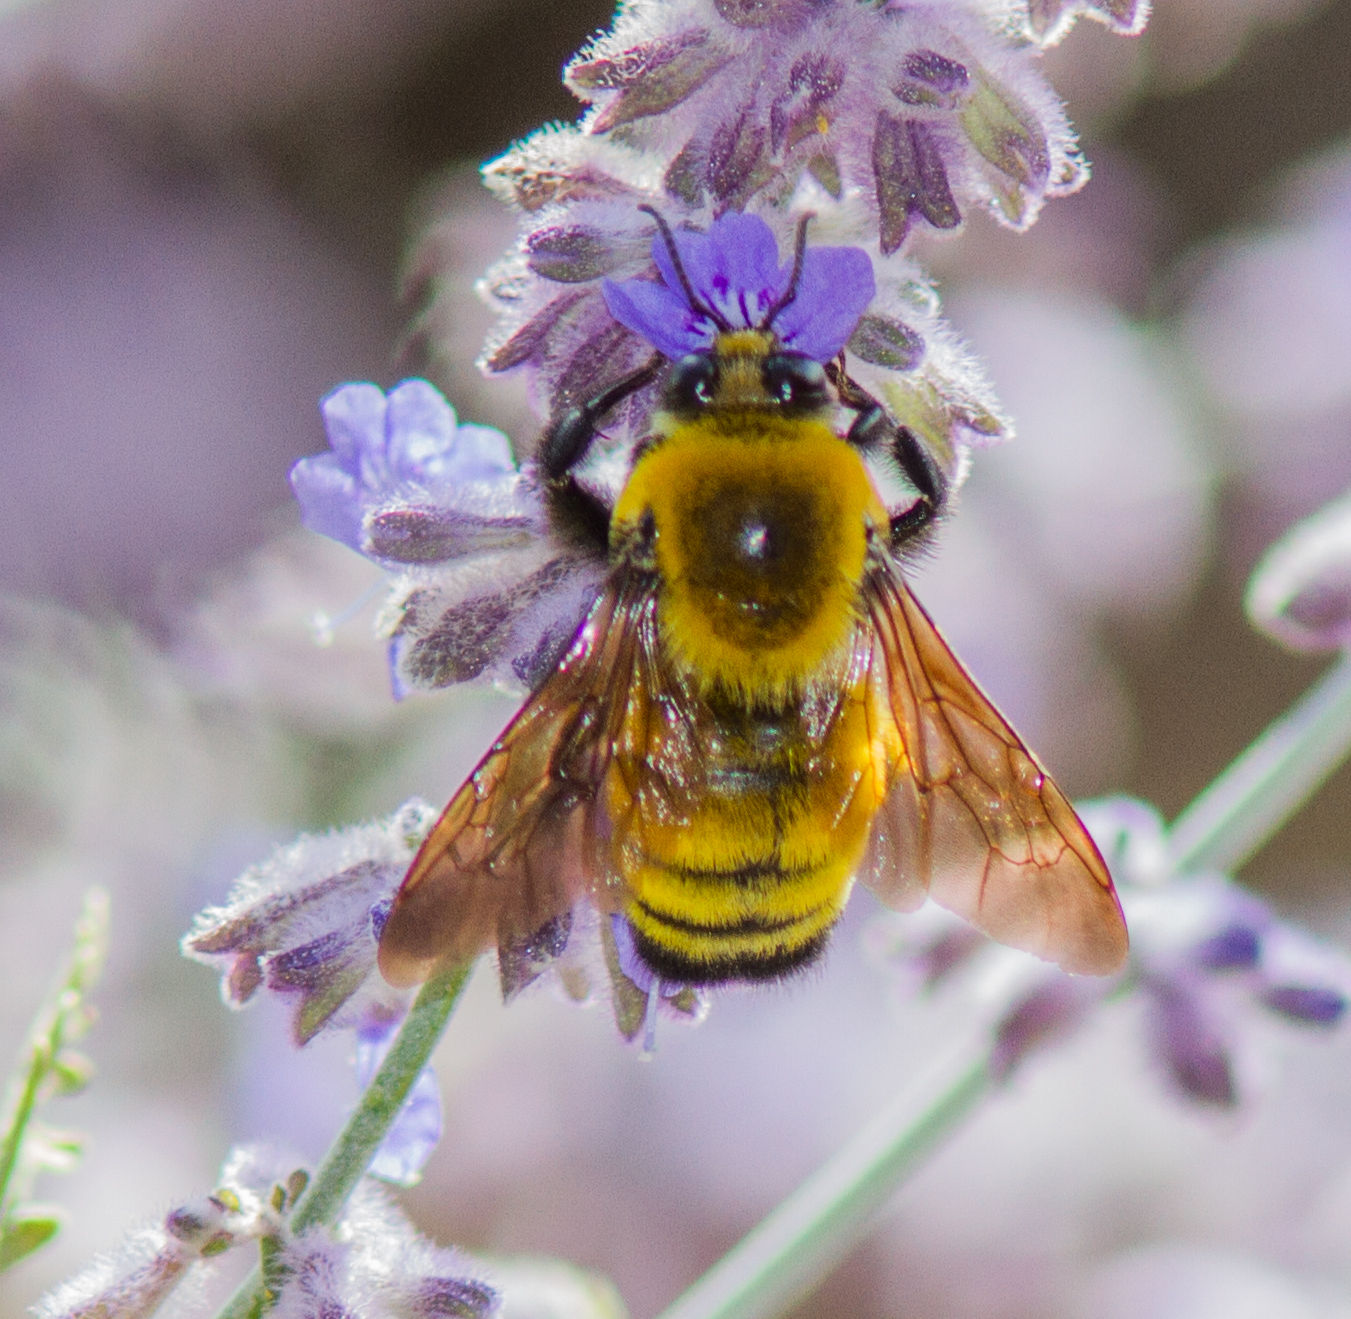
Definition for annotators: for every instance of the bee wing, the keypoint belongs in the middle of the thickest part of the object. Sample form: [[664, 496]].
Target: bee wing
[[518, 843], [971, 818]]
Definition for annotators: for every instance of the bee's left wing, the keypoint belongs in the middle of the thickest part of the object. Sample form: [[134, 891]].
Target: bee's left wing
[[971, 817], [518, 843]]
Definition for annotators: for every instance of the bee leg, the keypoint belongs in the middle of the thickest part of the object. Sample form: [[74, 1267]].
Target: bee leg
[[928, 478], [569, 435], [874, 428], [578, 512]]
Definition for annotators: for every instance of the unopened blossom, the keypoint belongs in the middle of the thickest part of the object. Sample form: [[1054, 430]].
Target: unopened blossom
[[304, 924], [1300, 591], [1047, 21], [135, 1278], [373, 1265], [1205, 957], [130, 1282], [918, 112]]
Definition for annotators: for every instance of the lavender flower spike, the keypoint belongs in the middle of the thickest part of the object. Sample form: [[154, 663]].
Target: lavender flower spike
[[734, 272], [1207, 958], [303, 925]]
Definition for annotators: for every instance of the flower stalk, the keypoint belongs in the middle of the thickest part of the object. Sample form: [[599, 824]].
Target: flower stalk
[[1249, 802], [784, 1256], [50, 1066], [351, 1153]]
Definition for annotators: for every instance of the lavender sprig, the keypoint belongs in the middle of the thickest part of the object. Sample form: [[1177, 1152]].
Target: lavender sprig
[[50, 1066], [343, 1167]]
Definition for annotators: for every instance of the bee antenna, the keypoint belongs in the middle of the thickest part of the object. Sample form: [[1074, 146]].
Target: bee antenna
[[799, 255], [696, 302]]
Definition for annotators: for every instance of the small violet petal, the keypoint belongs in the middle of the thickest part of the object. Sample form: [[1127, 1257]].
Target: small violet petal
[[734, 271], [734, 267], [353, 414], [1236, 947], [406, 445], [1316, 1006], [409, 1142], [662, 318], [328, 497], [835, 289]]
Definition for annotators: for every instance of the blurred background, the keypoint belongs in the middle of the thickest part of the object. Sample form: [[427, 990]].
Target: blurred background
[[209, 216]]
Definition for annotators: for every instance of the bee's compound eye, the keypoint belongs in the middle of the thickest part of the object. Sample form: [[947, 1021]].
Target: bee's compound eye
[[794, 381], [692, 383]]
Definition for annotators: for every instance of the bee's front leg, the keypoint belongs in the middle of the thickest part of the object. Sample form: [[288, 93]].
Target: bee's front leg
[[568, 435], [874, 428], [928, 478], [579, 512]]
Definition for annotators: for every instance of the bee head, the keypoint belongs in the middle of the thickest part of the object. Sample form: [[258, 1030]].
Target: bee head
[[746, 369]]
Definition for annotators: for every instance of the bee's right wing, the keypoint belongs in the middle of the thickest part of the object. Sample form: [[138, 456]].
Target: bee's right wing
[[972, 819], [517, 846]]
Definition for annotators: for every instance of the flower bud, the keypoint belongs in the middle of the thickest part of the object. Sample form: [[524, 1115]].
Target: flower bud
[[1300, 591]]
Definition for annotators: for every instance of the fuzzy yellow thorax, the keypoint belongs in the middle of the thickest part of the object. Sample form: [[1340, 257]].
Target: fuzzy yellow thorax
[[758, 533]]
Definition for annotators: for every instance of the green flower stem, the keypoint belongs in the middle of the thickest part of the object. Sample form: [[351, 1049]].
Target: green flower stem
[[25, 1102], [63, 1017], [783, 1258], [1257, 794], [347, 1160]]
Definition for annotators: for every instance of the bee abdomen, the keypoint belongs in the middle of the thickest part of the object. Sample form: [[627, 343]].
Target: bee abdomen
[[740, 920], [736, 866]]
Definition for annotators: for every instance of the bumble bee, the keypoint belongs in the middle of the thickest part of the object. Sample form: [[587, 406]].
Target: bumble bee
[[755, 711]]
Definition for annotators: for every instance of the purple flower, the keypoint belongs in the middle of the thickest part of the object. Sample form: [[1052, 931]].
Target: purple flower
[[136, 1278], [477, 586], [735, 274], [1048, 20], [304, 924], [409, 1142], [405, 482]]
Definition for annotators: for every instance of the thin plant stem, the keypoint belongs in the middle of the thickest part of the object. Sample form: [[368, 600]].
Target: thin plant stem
[[1242, 808], [786, 1254], [25, 1102], [61, 1016], [350, 1155]]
